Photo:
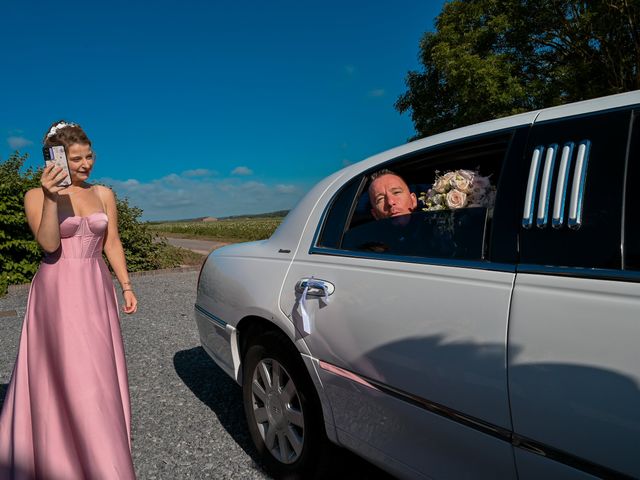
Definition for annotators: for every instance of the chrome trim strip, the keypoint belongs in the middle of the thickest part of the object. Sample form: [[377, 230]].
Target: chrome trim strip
[[438, 409], [477, 424], [545, 186], [566, 458], [341, 372], [576, 272], [561, 185], [442, 262], [577, 189], [527, 214], [217, 321]]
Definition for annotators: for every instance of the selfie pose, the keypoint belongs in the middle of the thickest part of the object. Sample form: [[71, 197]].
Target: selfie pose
[[66, 414]]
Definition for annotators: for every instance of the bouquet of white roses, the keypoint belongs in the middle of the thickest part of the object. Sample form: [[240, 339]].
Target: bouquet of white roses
[[459, 189]]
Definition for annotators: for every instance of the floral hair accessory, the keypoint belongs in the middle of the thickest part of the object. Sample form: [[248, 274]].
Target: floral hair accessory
[[59, 126], [459, 189]]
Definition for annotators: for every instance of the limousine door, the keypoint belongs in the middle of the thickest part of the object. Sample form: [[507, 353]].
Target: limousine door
[[574, 361], [411, 351]]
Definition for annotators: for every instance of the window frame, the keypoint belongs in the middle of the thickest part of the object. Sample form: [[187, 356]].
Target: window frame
[[515, 139]]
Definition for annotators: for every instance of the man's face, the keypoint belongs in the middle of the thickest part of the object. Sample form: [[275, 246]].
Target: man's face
[[390, 197]]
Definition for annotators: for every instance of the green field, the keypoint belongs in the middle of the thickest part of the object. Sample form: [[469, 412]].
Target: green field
[[227, 230]]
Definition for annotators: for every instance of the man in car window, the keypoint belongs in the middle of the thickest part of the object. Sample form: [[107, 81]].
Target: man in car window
[[389, 195]]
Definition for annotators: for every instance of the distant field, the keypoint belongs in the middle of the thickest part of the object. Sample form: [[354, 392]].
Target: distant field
[[231, 230]]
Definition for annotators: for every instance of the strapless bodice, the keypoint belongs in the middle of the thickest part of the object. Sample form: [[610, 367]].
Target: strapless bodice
[[81, 237]]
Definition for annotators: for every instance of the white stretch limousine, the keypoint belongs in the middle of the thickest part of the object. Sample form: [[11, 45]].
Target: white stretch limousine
[[492, 332]]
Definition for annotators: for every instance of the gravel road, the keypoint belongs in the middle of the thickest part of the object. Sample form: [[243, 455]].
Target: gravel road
[[188, 421]]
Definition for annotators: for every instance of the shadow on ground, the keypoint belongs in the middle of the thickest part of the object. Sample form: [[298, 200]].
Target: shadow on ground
[[223, 396], [217, 391], [3, 393]]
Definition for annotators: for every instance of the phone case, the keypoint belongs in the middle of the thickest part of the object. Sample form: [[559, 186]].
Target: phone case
[[57, 155]]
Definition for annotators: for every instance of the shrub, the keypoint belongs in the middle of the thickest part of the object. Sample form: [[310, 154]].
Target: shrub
[[141, 247], [19, 252]]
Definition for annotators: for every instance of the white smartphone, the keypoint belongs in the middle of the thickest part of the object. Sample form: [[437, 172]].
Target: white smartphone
[[58, 156]]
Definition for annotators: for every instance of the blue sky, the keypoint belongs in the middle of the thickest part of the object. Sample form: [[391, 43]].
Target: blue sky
[[199, 108]]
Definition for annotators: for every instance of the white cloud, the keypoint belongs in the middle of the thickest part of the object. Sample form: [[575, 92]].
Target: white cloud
[[182, 196], [16, 142], [242, 170], [198, 172], [377, 92], [282, 188]]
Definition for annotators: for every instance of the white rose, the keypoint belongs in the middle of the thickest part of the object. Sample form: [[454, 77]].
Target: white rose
[[456, 199], [441, 185], [468, 174], [461, 183]]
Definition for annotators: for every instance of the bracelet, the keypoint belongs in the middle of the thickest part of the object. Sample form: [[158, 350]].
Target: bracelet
[[127, 290]]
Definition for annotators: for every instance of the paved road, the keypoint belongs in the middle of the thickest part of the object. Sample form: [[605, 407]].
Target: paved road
[[188, 421]]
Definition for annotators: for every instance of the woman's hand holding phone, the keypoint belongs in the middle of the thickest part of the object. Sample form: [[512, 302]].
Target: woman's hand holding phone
[[50, 180]]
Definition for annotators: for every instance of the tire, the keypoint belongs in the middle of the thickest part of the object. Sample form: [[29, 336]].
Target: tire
[[282, 409]]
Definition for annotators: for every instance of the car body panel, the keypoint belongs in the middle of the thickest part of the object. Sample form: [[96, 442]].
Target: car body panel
[[417, 442], [574, 367]]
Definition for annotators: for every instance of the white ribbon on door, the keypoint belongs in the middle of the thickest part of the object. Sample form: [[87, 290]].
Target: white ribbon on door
[[304, 311]]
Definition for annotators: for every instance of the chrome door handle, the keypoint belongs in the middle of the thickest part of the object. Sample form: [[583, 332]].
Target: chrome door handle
[[316, 287]]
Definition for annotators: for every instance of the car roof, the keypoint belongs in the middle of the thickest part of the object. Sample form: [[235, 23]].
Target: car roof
[[528, 118]]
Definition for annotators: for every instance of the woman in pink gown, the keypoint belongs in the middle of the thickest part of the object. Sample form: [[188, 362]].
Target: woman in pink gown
[[66, 414]]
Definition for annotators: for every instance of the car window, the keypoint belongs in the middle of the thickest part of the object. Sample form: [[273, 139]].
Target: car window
[[455, 187], [632, 207], [574, 179]]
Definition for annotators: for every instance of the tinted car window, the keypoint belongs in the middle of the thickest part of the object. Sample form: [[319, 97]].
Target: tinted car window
[[632, 210], [592, 189], [460, 233]]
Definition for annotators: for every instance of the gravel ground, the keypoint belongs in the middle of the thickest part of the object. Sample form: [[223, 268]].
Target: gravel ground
[[187, 414]]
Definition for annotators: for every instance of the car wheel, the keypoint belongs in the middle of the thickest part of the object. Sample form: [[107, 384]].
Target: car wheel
[[282, 408]]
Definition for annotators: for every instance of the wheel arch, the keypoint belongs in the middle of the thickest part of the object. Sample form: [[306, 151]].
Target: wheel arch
[[251, 327]]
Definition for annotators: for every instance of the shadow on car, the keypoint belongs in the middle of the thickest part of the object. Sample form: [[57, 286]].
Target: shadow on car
[[223, 396]]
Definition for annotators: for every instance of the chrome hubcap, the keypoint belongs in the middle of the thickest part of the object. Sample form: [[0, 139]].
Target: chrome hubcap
[[277, 410]]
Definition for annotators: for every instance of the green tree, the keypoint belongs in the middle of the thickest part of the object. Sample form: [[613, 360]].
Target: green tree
[[493, 58], [19, 252], [141, 248]]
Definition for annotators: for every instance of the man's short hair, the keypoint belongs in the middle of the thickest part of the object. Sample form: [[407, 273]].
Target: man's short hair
[[381, 173]]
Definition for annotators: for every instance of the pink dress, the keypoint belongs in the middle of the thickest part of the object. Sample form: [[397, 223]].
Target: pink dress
[[66, 414]]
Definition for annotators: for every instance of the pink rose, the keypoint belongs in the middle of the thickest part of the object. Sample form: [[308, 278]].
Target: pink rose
[[456, 199]]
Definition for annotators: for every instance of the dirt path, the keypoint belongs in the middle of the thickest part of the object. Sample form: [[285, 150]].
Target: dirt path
[[199, 246]]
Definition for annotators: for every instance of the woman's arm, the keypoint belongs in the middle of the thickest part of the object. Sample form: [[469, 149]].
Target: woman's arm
[[114, 251], [41, 208]]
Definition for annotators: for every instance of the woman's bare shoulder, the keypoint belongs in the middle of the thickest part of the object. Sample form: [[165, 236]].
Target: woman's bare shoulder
[[103, 191]]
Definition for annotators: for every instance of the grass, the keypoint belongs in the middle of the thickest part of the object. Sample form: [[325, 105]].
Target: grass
[[228, 230], [171, 256]]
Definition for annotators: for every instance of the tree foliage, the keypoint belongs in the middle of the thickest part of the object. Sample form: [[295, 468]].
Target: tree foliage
[[141, 249], [493, 58], [20, 254]]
